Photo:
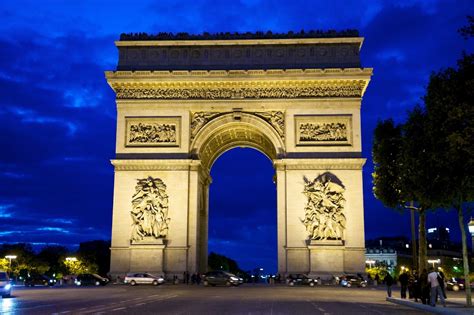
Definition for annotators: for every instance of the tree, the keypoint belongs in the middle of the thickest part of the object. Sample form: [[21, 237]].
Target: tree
[[450, 106], [220, 262], [53, 256], [95, 253], [396, 171]]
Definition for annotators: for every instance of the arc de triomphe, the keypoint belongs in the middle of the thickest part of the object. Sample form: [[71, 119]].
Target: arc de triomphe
[[181, 103]]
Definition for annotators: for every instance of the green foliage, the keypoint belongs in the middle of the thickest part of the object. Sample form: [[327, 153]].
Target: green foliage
[[95, 254], [386, 156], [4, 264], [220, 262]]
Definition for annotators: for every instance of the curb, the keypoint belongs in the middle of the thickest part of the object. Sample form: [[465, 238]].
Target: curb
[[427, 308]]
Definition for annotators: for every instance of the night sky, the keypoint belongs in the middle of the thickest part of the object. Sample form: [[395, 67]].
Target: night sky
[[58, 118]]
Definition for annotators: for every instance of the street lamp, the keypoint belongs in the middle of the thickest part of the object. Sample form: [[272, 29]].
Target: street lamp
[[71, 259], [470, 225], [434, 261], [370, 262], [10, 257]]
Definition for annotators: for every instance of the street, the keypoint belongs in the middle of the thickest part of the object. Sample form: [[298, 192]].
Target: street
[[189, 299]]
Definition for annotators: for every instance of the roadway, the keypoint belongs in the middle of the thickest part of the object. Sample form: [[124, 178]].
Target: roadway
[[192, 299]]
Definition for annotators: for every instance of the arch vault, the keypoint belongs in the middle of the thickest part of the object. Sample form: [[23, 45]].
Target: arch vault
[[182, 103]]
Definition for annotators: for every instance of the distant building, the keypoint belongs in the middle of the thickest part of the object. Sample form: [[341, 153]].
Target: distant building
[[438, 238]]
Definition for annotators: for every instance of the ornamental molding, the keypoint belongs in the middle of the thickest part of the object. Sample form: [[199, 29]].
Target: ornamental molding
[[152, 131], [319, 164], [275, 118], [257, 84], [156, 165]]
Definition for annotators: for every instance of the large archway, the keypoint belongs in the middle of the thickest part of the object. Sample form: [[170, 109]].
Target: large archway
[[243, 209], [183, 103]]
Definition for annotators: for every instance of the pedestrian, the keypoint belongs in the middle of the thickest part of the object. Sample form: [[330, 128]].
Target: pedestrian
[[441, 282], [435, 288], [416, 287], [425, 287], [403, 278], [389, 282], [376, 279], [193, 278], [198, 279]]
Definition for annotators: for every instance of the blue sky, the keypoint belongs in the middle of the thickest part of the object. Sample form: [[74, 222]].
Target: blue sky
[[57, 113]]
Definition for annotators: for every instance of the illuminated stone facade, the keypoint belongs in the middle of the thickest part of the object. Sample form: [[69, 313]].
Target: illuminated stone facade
[[295, 100]]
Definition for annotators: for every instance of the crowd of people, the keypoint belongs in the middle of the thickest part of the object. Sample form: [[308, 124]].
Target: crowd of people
[[426, 287]]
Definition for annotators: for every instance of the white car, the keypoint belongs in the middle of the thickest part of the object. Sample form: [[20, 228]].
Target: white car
[[5, 285], [143, 278]]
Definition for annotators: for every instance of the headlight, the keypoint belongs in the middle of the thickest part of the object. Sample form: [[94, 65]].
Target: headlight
[[234, 278], [8, 286], [51, 281]]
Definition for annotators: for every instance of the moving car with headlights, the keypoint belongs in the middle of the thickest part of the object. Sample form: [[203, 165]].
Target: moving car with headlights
[[352, 281], [220, 277], [5, 285], [37, 279], [143, 278], [90, 279], [300, 279]]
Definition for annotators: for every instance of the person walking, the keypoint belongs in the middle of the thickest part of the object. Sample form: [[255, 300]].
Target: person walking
[[403, 278], [435, 288], [389, 282], [425, 287]]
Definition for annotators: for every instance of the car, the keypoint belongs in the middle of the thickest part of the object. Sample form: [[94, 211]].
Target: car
[[143, 278], [352, 281], [90, 279], [37, 279], [456, 284], [220, 277], [5, 285], [301, 279]]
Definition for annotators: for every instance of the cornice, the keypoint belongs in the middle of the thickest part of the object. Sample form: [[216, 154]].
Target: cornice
[[274, 74], [156, 165], [319, 164], [233, 42], [239, 84]]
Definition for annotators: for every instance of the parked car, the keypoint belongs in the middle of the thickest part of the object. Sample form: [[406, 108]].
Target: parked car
[[456, 284], [143, 278], [352, 281], [37, 279], [5, 285], [301, 279], [220, 277], [90, 279]]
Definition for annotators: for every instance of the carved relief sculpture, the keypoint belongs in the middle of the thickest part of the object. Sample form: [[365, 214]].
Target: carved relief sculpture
[[152, 131], [324, 212], [276, 119], [149, 209], [199, 119], [323, 130]]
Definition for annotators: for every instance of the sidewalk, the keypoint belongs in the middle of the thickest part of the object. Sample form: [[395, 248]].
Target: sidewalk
[[453, 306]]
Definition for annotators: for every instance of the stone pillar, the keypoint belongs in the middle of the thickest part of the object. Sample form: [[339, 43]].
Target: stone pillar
[[281, 217]]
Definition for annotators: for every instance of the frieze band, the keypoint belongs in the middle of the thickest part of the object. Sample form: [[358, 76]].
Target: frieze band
[[354, 90]]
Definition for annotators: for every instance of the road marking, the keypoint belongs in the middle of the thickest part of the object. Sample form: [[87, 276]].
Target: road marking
[[321, 309], [118, 309], [140, 304], [65, 312]]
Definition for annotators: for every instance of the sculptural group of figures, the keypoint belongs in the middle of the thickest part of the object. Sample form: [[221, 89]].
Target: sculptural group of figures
[[323, 132], [152, 133], [324, 218], [149, 209]]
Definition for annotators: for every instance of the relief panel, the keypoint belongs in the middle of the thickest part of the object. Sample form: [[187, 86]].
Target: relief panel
[[152, 131], [316, 130]]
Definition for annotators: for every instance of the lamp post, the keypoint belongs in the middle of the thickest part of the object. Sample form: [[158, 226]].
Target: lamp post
[[71, 259], [370, 262], [434, 261], [470, 225], [10, 257]]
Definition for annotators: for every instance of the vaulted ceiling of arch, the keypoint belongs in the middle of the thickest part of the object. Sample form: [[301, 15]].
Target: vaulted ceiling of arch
[[231, 137]]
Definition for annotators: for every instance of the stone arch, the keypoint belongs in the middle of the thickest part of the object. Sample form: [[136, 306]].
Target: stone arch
[[232, 130]]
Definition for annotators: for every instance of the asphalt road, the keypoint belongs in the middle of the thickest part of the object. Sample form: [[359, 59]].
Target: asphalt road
[[189, 299]]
